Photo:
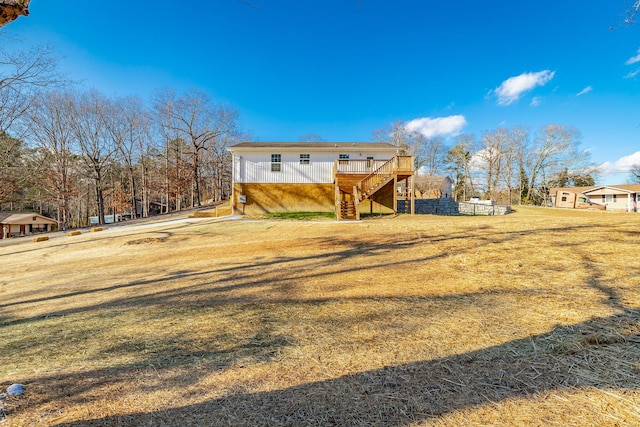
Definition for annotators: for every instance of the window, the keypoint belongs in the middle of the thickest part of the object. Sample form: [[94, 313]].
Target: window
[[344, 157], [564, 198], [603, 198], [305, 159], [276, 162], [614, 198]]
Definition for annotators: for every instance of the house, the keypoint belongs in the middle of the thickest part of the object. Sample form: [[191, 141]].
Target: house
[[433, 186], [14, 224], [346, 178], [617, 198]]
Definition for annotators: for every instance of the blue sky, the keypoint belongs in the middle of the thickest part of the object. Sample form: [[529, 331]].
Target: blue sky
[[343, 68]]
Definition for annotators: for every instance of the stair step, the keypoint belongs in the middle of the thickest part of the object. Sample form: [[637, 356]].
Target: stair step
[[347, 209]]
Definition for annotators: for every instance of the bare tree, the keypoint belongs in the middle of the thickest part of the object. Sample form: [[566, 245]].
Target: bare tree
[[490, 159], [199, 122], [459, 158], [514, 148], [434, 153], [410, 143], [21, 74], [12, 170], [555, 147], [127, 125], [91, 133], [50, 130], [632, 12]]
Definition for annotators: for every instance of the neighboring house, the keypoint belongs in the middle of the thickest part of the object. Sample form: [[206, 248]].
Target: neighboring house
[[433, 186], [22, 224], [345, 178], [616, 198]]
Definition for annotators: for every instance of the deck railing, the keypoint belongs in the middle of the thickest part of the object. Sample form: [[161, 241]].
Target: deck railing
[[402, 163], [358, 166], [372, 180]]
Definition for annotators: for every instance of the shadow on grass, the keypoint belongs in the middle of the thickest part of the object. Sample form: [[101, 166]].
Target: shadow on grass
[[601, 353], [224, 279]]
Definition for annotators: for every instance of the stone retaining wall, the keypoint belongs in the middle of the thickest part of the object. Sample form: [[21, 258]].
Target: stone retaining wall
[[448, 206]]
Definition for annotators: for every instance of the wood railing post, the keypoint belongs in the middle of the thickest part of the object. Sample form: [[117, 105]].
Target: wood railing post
[[356, 202], [337, 201]]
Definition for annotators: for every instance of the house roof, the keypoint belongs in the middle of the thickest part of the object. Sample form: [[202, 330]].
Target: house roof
[[610, 189], [625, 188], [433, 180], [321, 146], [24, 218]]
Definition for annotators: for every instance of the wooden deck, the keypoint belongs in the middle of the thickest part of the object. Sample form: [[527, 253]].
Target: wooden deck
[[359, 180]]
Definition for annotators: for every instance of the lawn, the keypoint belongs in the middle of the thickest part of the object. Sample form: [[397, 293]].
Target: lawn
[[525, 319]]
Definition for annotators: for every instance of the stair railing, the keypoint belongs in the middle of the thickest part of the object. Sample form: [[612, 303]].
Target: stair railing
[[372, 180]]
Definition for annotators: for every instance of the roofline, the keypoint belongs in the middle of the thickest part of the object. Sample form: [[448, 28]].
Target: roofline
[[600, 187], [590, 188], [312, 146], [15, 216]]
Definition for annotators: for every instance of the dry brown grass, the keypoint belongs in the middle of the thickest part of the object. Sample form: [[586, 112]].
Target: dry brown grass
[[527, 319], [220, 210]]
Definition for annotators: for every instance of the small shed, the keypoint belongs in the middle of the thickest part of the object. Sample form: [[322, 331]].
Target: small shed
[[14, 224]]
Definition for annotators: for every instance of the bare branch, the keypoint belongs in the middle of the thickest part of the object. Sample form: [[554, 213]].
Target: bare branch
[[632, 13]]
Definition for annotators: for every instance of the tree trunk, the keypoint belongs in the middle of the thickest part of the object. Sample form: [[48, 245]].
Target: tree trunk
[[99, 195], [196, 177]]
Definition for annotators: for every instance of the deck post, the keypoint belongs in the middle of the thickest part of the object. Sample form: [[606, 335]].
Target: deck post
[[413, 194], [395, 194], [356, 202]]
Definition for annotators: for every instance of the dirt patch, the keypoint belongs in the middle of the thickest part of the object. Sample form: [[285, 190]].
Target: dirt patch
[[146, 241]]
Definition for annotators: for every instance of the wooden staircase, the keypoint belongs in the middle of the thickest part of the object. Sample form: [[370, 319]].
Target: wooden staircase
[[347, 202], [348, 210]]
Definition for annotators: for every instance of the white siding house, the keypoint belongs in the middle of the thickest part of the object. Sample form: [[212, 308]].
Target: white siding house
[[300, 163], [616, 198], [288, 176]]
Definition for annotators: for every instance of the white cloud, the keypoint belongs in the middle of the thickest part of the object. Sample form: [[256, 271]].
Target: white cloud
[[434, 126], [536, 101], [514, 87], [622, 165], [585, 91], [634, 59], [632, 74]]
